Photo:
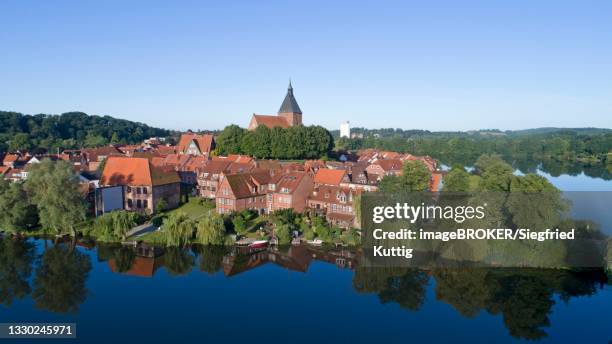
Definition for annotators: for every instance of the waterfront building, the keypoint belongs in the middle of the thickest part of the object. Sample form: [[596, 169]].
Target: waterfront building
[[144, 185]]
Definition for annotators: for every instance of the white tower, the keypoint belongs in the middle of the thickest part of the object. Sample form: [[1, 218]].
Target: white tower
[[345, 129]]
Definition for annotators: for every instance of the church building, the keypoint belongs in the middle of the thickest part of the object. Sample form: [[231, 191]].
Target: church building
[[289, 114]]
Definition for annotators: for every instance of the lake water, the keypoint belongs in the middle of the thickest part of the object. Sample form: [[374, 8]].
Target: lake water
[[296, 295]]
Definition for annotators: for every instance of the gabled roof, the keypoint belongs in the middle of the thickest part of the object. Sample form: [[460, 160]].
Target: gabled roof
[[289, 181], [290, 105], [134, 172], [244, 159], [242, 184], [330, 193], [329, 177], [92, 154], [204, 142], [270, 121], [390, 164]]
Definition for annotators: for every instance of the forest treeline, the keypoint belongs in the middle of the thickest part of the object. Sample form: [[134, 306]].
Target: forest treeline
[[588, 145], [69, 130]]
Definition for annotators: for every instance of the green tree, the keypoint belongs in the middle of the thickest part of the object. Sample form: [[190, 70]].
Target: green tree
[[178, 228], [93, 140], [415, 176], [211, 229], [230, 139], [17, 212], [20, 142], [457, 179], [54, 188], [115, 139], [161, 206]]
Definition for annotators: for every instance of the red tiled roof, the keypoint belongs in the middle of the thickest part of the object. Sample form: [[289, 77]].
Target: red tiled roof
[[10, 158], [204, 142], [328, 193], [271, 121], [92, 154], [329, 177], [289, 181], [242, 184], [135, 171], [165, 149], [245, 159], [390, 164]]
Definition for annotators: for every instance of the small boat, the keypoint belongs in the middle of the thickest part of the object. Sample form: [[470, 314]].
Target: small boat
[[259, 244], [315, 242]]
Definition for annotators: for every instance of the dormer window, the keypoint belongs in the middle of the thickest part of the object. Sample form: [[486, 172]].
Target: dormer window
[[272, 187], [284, 190]]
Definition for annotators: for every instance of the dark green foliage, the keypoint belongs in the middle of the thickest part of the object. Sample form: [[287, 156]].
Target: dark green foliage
[[54, 188], [17, 212], [114, 226], [298, 142], [525, 149], [457, 180], [211, 229], [69, 130], [415, 177]]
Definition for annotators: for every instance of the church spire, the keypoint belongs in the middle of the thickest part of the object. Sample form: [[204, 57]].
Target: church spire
[[290, 105]]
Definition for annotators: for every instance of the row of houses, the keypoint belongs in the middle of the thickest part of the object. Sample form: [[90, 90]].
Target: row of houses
[[152, 175]]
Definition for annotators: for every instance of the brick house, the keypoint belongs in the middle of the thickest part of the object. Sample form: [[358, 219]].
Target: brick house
[[196, 144], [289, 190], [335, 203], [144, 185], [237, 192], [382, 168], [326, 176], [95, 156]]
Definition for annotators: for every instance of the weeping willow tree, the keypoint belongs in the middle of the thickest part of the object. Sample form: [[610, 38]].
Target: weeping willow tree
[[114, 226], [211, 229], [178, 228]]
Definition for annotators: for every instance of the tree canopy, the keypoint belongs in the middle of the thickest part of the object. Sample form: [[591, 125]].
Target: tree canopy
[[299, 142], [54, 189], [69, 130]]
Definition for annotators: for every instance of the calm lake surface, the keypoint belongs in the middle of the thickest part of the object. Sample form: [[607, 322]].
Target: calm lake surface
[[299, 294]]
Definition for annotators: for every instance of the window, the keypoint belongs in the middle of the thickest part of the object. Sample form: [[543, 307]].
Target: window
[[145, 191], [145, 203], [138, 191], [130, 203], [129, 189], [285, 190], [138, 204], [334, 207], [272, 187]]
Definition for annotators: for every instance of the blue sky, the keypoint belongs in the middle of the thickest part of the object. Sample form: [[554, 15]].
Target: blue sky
[[437, 65]]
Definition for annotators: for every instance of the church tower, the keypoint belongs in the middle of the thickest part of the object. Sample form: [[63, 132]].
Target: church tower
[[290, 110]]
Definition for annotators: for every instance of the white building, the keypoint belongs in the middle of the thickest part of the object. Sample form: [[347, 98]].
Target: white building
[[345, 129]]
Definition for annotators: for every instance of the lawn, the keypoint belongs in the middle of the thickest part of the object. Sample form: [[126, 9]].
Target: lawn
[[195, 208]]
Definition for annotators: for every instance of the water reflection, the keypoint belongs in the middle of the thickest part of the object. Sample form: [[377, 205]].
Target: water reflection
[[59, 281], [56, 276]]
